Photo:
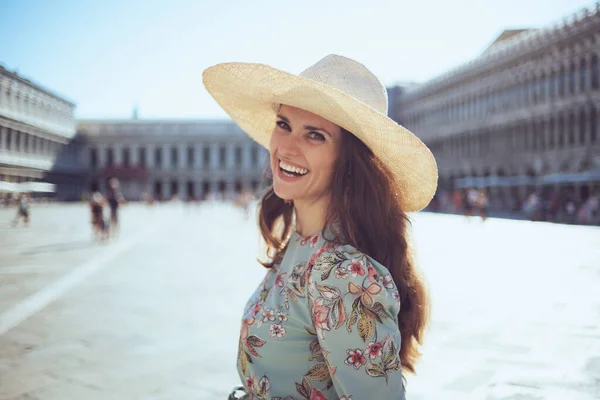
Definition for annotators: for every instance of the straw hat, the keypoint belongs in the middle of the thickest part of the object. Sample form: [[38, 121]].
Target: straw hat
[[340, 90]]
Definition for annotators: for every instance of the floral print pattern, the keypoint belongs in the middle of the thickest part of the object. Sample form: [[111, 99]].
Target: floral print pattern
[[323, 324]]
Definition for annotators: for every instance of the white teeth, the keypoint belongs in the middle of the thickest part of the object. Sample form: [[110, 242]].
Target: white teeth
[[291, 168]]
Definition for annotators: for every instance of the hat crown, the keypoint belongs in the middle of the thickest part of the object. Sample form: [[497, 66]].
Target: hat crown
[[350, 77]]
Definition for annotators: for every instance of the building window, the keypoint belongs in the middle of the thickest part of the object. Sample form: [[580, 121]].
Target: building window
[[222, 156], [553, 84], [238, 157], [17, 140], [583, 72], [581, 127], [551, 135], [25, 142], [562, 83], [543, 87], [174, 157], [9, 136], [110, 157], [573, 79], [206, 157], [93, 158], [158, 157], [126, 157], [595, 67], [142, 156], [571, 128], [190, 157], [561, 132]]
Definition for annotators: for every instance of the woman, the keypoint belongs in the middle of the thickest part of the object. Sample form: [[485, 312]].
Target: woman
[[342, 308]]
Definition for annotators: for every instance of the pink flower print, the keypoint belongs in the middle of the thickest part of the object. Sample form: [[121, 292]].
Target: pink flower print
[[257, 307], [316, 394], [249, 382], [279, 279], [332, 370], [356, 268], [387, 281], [311, 239], [371, 273], [281, 316], [374, 350], [320, 315], [276, 331], [355, 358], [268, 315], [317, 254], [341, 273]]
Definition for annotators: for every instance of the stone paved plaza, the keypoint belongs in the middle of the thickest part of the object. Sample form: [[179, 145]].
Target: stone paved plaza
[[154, 314]]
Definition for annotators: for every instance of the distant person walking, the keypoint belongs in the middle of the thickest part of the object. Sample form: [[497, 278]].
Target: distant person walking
[[23, 210], [97, 212], [115, 198]]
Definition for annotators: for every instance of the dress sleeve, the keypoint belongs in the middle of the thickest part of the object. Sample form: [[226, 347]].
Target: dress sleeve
[[355, 304]]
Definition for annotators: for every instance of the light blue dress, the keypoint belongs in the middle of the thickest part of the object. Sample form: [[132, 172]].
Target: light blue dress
[[323, 324]]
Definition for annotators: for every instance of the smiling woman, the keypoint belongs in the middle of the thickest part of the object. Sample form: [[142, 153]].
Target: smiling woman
[[342, 309]]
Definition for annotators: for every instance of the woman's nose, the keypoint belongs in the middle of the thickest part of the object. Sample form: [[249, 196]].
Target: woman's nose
[[289, 145]]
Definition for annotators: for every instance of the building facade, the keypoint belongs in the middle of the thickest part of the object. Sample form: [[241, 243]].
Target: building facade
[[167, 158], [36, 127], [522, 117]]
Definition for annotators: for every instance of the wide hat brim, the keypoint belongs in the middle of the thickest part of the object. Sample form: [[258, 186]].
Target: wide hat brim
[[250, 94]]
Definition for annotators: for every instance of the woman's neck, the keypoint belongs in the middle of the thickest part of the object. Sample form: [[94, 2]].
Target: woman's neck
[[311, 216]]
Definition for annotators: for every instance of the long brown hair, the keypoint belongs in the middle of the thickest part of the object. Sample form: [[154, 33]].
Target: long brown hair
[[368, 211]]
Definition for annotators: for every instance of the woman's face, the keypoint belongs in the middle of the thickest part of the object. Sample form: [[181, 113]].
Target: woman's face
[[304, 148]]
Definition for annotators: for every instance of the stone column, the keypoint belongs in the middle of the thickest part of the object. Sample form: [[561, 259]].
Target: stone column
[[118, 154], [230, 155], [150, 157], [166, 160], [215, 155], [183, 161], [101, 152], [198, 155], [247, 156], [134, 158]]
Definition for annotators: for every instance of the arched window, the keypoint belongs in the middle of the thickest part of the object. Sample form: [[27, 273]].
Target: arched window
[[582, 126], [561, 131], [553, 84], [573, 78], [595, 73], [583, 75], [562, 82], [571, 129], [543, 87]]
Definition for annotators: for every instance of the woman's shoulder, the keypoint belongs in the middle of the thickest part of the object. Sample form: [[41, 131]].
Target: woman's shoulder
[[345, 258], [337, 270]]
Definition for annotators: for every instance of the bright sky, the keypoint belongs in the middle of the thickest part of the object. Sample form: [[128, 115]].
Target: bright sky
[[109, 55]]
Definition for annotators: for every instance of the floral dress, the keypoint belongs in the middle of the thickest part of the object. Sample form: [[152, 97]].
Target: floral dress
[[323, 324]]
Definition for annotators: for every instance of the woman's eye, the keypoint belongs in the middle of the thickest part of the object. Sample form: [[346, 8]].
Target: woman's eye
[[283, 125], [317, 136]]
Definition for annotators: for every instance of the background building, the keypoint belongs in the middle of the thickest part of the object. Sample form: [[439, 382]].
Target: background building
[[166, 158], [35, 128], [522, 117]]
